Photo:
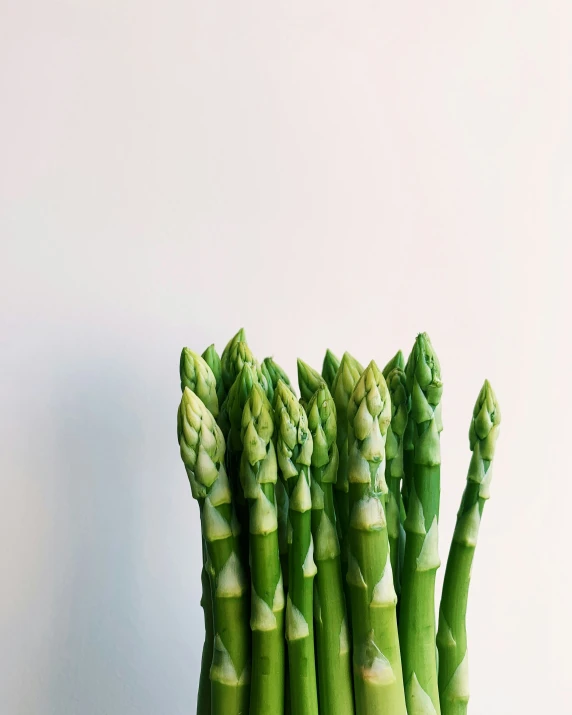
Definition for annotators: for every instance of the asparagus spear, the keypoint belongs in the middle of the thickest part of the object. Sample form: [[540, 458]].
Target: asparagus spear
[[396, 361], [202, 451], [400, 404], [378, 677], [294, 449], [332, 647], [258, 472], [229, 370], [235, 403], [421, 559], [273, 372], [330, 367], [212, 359], [407, 456], [199, 378], [344, 383], [308, 381], [452, 633]]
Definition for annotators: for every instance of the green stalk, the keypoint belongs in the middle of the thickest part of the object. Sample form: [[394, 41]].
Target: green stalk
[[309, 380], [407, 448], [202, 451], [235, 403], [344, 383], [407, 465], [259, 475], [421, 559], [273, 372], [294, 449], [335, 685], [330, 367], [204, 694], [212, 359], [400, 405], [196, 375], [378, 680], [452, 633]]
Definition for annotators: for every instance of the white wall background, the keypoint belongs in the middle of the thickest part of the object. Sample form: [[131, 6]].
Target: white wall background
[[338, 174]]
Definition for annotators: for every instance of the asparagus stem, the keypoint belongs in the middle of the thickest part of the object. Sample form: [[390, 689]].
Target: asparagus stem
[[346, 379], [309, 380], [329, 368], [196, 375], [335, 685], [204, 694], [235, 403], [202, 451], [421, 559], [294, 449], [400, 404], [452, 633], [259, 475], [407, 455], [212, 359], [378, 678], [274, 374]]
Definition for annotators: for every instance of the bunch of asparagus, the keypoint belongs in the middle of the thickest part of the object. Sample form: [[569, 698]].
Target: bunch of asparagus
[[319, 524]]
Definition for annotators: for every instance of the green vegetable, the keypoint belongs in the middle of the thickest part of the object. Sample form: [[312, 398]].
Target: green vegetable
[[199, 378], [202, 451], [400, 405], [452, 633], [258, 473], [294, 449], [344, 383], [396, 361], [332, 638], [378, 678], [421, 559], [228, 359], [273, 372], [308, 381], [330, 367], [196, 375], [204, 694], [212, 359]]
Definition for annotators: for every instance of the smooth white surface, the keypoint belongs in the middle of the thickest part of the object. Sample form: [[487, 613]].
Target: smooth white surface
[[338, 174]]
